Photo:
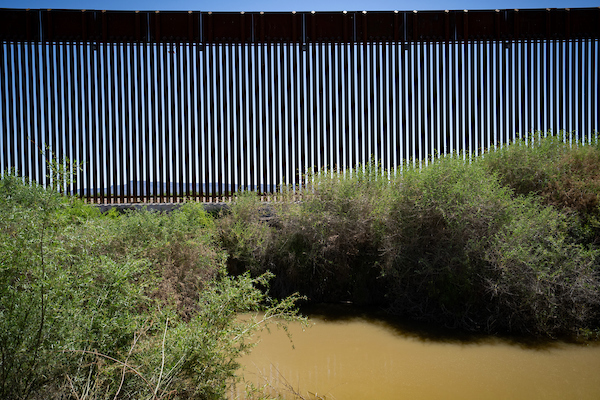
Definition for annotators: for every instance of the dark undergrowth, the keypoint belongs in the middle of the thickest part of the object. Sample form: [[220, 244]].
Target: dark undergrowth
[[504, 243]]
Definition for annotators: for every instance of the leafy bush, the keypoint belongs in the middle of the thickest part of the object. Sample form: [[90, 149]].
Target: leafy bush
[[452, 242], [538, 280], [321, 242], [129, 307], [565, 174], [442, 219]]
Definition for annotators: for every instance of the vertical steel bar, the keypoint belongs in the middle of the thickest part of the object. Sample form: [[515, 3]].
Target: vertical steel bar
[[318, 135], [509, 67], [12, 80], [279, 160], [291, 141], [327, 132], [561, 71], [460, 133], [337, 106], [219, 134], [521, 111], [4, 105], [181, 92], [147, 63], [568, 71], [75, 139], [43, 88], [353, 127], [245, 118], [499, 83], [374, 144], [360, 109], [127, 123], [265, 115], [433, 116], [213, 132], [302, 95], [122, 123], [92, 59], [233, 108], [545, 85], [103, 131], [388, 107], [273, 116], [325, 129], [162, 58], [60, 125], [196, 111], [402, 85], [38, 136], [182, 130], [472, 79], [410, 84], [256, 111], [129, 128], [376, 103], [155, 120], [535, 64], [205, 189], [547, 92], [528, 59], [171, 134], [253, 70], [112, 149], [574, 96], [167, 154], [580, 95], [274, 111], [584, 85], [25, 73], [595, 85], [447, 107], [429, 98], [136, 115], [556, 71], [314, 130], [114, 145], [384, 102], [423, 107], [483, 94], [479, 98], [299, 75], [526, 86]]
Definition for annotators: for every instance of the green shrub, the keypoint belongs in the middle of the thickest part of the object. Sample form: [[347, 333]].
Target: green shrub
[[539, 281], [321, 242], [441, 221], [565, 174], [129, 307], [53, 298]]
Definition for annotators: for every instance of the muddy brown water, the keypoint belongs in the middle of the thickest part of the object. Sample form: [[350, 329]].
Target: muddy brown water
[[347, 354]]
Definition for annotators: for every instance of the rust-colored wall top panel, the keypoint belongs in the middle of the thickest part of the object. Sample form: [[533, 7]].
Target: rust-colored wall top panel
[[335, 27]]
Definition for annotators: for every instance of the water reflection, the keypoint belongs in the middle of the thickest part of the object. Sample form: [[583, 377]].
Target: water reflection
[[352, 353]]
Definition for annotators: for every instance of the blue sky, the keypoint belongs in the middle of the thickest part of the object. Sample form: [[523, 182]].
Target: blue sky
[[305, 5]]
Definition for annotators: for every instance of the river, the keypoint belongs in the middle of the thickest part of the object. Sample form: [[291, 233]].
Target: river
[[348, 354]]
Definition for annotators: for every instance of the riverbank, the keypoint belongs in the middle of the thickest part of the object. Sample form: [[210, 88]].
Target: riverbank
[[505, 242]]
